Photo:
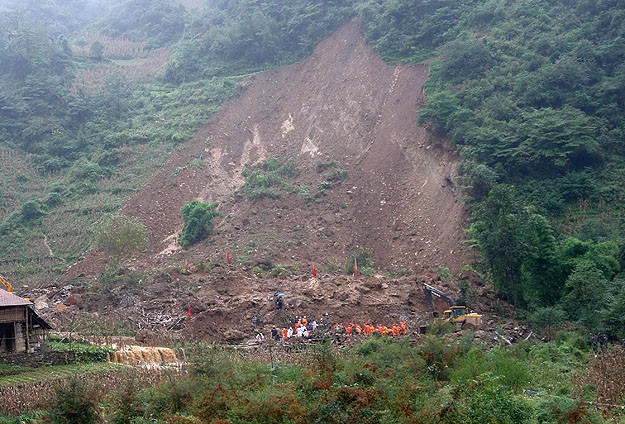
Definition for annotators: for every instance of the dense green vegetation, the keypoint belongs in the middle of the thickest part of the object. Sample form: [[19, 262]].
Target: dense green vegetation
[[445, 379], [198, 218], [531, 95], [232, 36], [269, 178]]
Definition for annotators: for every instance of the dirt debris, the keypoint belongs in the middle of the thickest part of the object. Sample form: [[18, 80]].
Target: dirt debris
[[342, 108]]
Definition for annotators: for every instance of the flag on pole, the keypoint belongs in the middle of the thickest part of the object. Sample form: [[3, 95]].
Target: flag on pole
[[189, 311], [186, 266], [227, 258], [355, 269], [314, 271]]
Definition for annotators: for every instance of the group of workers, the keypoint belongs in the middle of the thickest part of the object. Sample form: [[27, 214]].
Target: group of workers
[[302, 327], [368, 329], [305, 328]]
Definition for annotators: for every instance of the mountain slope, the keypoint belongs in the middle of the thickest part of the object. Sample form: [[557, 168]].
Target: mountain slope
[[341, 108]]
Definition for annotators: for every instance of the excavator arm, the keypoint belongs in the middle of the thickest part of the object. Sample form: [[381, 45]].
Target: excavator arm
[[8, 285], [430, 291]]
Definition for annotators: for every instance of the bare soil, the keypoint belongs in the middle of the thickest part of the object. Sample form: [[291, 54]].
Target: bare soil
[[399, 202]]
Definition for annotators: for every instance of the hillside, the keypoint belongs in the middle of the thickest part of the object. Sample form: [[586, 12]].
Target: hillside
[[341, 106]]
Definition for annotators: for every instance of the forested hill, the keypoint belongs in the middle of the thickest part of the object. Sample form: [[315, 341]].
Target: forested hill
[[95, 94]]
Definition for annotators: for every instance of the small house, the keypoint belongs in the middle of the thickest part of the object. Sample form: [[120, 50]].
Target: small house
[[21, 329]]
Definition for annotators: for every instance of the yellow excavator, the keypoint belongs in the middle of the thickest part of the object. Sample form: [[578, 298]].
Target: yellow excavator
[[8, 285], [461, 317]]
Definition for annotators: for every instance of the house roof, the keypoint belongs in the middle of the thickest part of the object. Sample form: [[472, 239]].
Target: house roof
[[9, 299]]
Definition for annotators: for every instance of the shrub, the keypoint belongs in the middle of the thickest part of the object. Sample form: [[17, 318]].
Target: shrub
[[268, 179], [487, 402], [31, 210], [557, 409], [127, 404], [364, 262], [120, 237], [75, 404], [173, 395], [439, 356], [198, 219]]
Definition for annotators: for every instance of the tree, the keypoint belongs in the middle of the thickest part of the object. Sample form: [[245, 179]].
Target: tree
[[97, 50], [542, 276], [613, 312], [120, 237], [587, 290], [547, 320], [497, 232], [465, 59], [551, 141], [31, 210], [198, 219]]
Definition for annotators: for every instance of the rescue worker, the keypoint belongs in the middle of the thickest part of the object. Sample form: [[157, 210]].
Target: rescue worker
[[274, 333], [278, 302]]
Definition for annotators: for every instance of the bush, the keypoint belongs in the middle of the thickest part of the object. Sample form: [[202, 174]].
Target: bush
[[75, 404], [364, 262], [489, 402], [556, 409], [173, 395], [121, 236], [440, 356], [81, 352], [198, 219], [269, 179], [31, 210]]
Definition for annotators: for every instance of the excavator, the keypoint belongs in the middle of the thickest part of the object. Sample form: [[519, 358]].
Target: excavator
[[461, 317], [8, 285]]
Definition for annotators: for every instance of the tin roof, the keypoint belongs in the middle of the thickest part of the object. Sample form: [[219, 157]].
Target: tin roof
[[9, 299]]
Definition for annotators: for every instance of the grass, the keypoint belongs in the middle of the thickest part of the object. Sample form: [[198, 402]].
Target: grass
[[56, 372], [270, 179]]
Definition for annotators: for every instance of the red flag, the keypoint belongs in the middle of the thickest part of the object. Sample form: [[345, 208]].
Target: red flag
[[227, 258], [314, 271], [71, 299], [355, 269], [186, 266], [189, 311]]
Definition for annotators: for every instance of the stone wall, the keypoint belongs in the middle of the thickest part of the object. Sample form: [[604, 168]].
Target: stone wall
[[38, 359]]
